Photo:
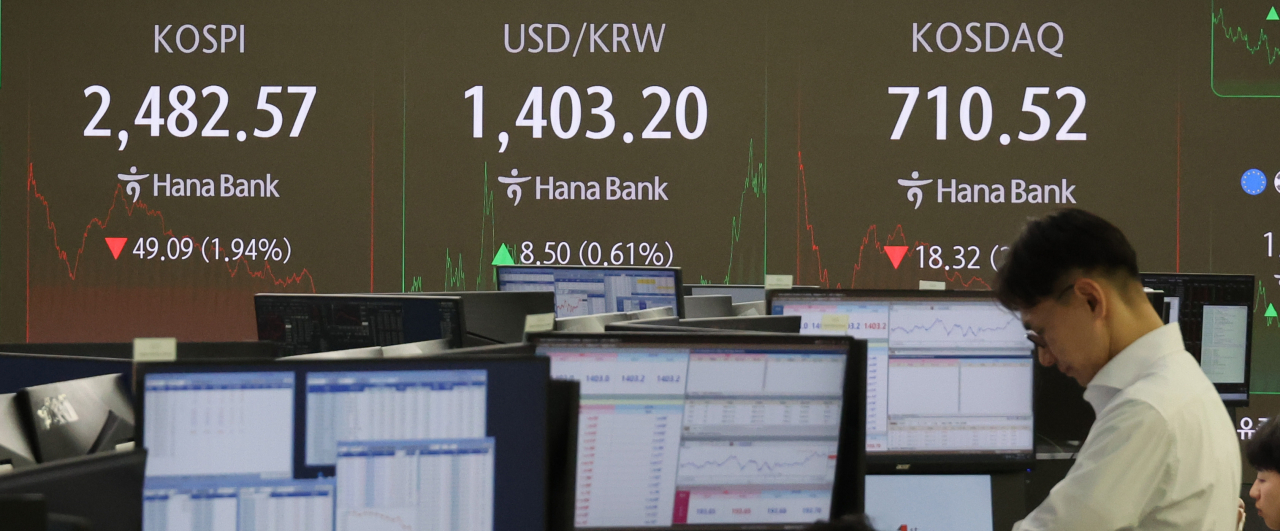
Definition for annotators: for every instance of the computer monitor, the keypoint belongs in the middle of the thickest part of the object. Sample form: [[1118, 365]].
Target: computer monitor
[[589, 290], [104, 489], [987, 502], [949, 374], [78, 417], [493, 317], [430, 443], [18, 371], [713, 429], [15, 450], [306, 323], [930, 503], [1215, 313], [696, 306]]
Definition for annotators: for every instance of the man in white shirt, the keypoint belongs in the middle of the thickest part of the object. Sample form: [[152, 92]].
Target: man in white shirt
[[1162, 453]]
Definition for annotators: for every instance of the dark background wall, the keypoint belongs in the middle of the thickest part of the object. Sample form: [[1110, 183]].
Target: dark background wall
[[386, 187]]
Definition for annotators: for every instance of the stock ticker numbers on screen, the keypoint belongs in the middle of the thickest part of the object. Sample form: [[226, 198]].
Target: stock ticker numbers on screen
[[158, 173], [944, 375], [311, 446], [679, 436]]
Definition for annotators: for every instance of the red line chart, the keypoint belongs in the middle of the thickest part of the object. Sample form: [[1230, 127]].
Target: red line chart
[[871, 239], [120, 204], [118, 196]]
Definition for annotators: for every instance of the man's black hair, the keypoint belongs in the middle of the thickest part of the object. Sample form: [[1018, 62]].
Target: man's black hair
[[1053, 246], [1263, 450], [856, 522]]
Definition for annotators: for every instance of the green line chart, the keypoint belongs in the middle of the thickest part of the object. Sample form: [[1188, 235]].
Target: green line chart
[[754, 185], [1239, 35], [1261, 298], [1240, 53], [455, 276]]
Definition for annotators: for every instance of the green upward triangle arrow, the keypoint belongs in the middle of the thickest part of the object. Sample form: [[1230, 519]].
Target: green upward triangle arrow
[[503, 257], [1272, 15], [1271, 313]]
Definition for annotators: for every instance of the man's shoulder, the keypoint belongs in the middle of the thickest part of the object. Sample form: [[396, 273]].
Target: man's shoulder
[[1173, 386]]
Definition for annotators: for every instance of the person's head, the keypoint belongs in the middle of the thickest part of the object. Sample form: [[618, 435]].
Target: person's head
[[1074, 278], [1263, 452], [848, 523]]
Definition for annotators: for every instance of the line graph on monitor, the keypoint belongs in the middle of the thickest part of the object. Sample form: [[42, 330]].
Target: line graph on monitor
[[758, 462], [979, 324]]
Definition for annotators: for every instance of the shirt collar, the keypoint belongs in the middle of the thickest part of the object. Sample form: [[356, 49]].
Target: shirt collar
[[1131, 363]]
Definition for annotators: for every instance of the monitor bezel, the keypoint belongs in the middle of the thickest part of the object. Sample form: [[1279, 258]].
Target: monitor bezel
[[1223, 389], [925, 463], [117, 508], [679, 276], [300, 368], [847, 494]]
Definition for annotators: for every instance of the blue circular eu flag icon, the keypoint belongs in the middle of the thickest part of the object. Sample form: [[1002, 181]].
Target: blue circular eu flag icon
[[1253, 182]]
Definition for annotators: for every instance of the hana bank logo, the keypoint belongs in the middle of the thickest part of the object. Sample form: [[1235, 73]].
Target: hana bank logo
[[914, 194], [1017, 191], [514, 191], [132, 178], [611, 188]]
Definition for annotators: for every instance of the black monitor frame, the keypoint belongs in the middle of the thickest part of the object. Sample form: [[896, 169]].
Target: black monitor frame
[[486, 319], [957, 463], [497, 317], [97, 429], [512, 355], [404, 299], [679, 287], [15, 435], [1233, 394], [104, 488], [848, 489]]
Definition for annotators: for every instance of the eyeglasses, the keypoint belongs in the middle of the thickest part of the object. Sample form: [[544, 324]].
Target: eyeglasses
[[1035, 338]]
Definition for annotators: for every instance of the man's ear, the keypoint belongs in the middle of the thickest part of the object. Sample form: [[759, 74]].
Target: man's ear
[[1093, 294]]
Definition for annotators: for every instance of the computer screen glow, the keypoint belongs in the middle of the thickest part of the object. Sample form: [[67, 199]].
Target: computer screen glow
[[944, 376], [673, 434], [590, 291]]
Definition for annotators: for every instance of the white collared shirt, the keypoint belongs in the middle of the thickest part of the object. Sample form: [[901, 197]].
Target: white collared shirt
[[1162, 454]]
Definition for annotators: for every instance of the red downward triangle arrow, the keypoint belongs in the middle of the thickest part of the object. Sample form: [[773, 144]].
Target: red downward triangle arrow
[[895, 252], [117, 244]]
